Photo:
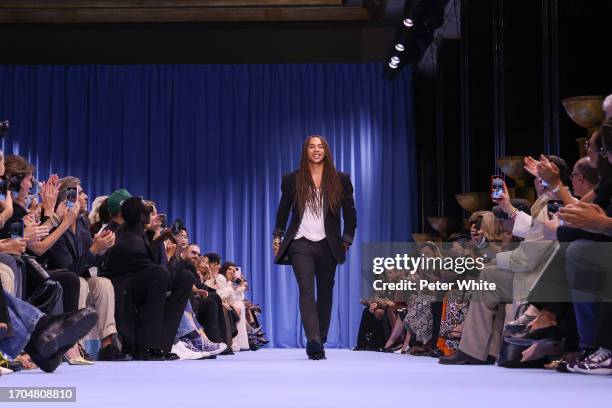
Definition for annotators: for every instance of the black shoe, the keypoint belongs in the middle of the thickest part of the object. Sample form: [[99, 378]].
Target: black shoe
[[315, 350], [49, 364], [320, 355], [63, 331], [112, 353], [170, 356], [149, 354], [228, 352], [460, 358], [550, 332]]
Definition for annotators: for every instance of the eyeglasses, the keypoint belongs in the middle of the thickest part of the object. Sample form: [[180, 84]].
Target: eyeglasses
[[574, 174]]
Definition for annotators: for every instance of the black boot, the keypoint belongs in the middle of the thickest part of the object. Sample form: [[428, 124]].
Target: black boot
[[315, 350]]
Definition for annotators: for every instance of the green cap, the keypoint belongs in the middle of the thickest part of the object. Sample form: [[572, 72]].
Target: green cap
[[116, 199]]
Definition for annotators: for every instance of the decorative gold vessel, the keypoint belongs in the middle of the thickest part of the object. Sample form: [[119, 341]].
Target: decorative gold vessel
[[587, 112], [512, 166], [474, 201], [445, 226]]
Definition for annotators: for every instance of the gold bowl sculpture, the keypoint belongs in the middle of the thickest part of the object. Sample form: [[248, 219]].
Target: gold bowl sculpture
[[472, 202], [586, 111], [512, 166], [445, 225]]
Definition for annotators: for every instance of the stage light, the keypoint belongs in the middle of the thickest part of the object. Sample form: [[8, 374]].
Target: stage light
[[399, 47], [395, 60], [393, 65], [408, 22]]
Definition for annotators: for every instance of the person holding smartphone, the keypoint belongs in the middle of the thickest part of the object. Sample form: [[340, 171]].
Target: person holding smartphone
[[317, 197], [81, 254]]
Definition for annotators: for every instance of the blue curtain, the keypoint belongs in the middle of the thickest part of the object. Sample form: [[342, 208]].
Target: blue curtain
[[209, 144]]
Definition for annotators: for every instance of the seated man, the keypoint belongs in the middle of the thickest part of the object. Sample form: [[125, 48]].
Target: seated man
[[142, 283], [207, 302], [76, 251]]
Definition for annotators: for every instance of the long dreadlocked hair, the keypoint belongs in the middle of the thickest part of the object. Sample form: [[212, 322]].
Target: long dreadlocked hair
[[306, 191]]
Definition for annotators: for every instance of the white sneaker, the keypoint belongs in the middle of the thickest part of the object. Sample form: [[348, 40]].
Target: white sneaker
[[184, 353]]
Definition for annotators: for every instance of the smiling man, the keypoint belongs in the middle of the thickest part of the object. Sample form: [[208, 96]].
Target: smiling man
[[314, 195]]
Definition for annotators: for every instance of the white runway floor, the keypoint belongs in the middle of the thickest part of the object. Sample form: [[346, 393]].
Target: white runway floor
[[285, 378]]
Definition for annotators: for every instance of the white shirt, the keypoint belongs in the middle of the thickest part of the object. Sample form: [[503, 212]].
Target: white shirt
[[312, 226]]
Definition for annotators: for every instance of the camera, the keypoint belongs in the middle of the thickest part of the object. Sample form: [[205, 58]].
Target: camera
[[177, 225], [554, 206], [162, 220]]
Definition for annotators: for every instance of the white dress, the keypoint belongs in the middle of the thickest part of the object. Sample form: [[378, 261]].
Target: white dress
[[234, 295]]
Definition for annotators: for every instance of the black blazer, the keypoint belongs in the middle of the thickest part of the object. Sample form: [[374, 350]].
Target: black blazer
[[335, 239], [131, 253], [71, 251]]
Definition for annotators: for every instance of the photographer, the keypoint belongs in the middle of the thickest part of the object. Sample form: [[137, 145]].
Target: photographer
[[76, 251]]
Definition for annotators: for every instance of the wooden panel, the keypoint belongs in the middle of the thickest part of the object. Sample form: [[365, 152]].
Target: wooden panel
[[183, 14], [38, 4]]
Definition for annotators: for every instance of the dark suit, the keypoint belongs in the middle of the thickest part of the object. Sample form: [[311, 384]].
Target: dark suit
[[71, 251], [314, 263], [335, 241], [146, 316]]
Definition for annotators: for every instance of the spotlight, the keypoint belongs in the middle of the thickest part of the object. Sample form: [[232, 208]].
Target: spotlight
[[393, 65], [408, 22], [399, 47], [395, 60]]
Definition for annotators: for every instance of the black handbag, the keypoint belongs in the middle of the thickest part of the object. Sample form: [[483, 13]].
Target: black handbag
[[47, 293]]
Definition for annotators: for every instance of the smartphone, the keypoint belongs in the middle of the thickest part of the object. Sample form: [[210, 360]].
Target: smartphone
[[497, 187], [554, 206], [17, 229], [238, 273], [162, 220], [71, 197], [4, 184]]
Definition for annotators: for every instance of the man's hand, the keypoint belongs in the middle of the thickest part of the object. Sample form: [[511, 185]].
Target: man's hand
[[346, 245], [71, 215], [35, 232], [550, 227], [201, 292], [13, 246], [504, 202], [102, 242], [49, 191], [531, 166], [548, 171], [586, 216]]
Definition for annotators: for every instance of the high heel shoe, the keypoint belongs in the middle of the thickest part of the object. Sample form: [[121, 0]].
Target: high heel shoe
[[80, 360]]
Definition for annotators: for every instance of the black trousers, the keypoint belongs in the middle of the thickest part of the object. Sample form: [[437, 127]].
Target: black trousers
[[314, 265], [210, 316], [158, 314], [72, 288]]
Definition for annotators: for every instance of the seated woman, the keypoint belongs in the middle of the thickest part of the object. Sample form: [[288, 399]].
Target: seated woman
[[232, 290], [378, 320], [456, 302], [419, 320]]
